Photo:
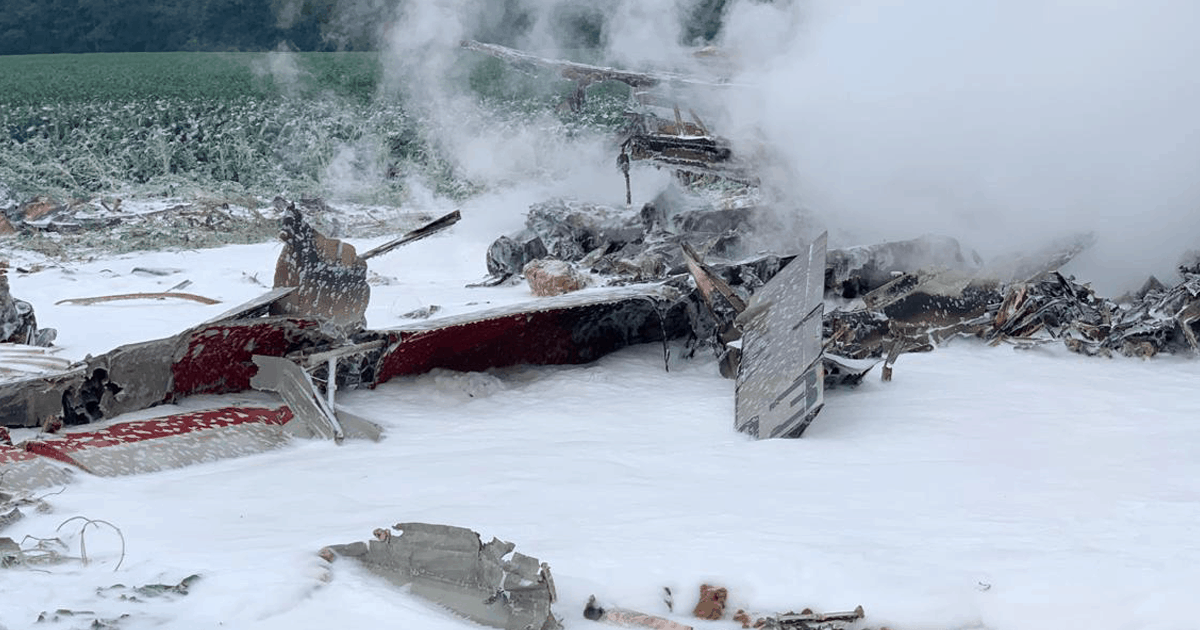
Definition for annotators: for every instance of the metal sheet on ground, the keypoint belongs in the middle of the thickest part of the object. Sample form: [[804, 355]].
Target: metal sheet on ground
[[170, 442]]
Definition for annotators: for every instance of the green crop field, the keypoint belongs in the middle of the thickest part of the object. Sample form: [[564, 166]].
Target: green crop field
[[250, 123], [123, 77]]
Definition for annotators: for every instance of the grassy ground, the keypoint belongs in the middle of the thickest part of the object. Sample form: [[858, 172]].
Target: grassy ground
[[75, 126]]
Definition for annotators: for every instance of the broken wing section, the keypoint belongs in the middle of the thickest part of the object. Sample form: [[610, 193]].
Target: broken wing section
[[780, 382]]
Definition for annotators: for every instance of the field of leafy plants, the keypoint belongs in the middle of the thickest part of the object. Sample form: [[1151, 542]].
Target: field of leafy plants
[[249, 124]]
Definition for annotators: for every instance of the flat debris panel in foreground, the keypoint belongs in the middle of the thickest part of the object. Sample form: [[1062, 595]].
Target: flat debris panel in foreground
[[489, 584], [779, 384]]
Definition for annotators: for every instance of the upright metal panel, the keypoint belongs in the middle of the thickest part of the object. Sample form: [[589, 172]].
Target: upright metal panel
[[780, 384]]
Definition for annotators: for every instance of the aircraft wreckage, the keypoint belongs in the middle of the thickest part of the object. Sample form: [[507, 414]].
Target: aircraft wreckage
[[785, 325]]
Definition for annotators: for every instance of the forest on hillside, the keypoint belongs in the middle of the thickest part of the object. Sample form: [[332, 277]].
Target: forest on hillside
[[83, 26]]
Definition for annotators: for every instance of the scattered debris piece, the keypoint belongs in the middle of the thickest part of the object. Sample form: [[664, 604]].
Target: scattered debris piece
[[66, 614], [681, 146], [83, 537], [22, 471], [141, 593], [256, 307], [139, 296], [846, 372], [712, 603], [452, 567], [804, 620], [114, 602], [43, 551], [628, 618], [13, 500], [17, 321], [809, 620], [315, 416], [329, 277], [155, 271], [39, 207], [35, 551], [856, 271], [425, 312], [424, 231], [627, 245], [19, 359], [1051, 307], [10, 516], [547, 277]]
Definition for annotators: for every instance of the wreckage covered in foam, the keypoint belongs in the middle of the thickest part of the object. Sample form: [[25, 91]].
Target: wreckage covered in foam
[[786, 316]]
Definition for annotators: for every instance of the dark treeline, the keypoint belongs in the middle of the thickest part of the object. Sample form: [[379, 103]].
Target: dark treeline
[[82, 26]]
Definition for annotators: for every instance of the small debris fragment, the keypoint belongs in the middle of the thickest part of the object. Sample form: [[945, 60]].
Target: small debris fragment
[[628, 618], [712, 602], [548, 277], [17, 321], [140, 296], [140, 593], [425, 312], [154, 271]]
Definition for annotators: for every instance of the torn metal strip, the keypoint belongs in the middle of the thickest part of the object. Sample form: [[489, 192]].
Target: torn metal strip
[[256, 307], [429, 229]]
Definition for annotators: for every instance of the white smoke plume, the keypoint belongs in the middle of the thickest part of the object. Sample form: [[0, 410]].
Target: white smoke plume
[[1005, 123], [425, 63]]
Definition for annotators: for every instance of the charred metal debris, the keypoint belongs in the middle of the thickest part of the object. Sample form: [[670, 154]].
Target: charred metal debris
[[885, 299]]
